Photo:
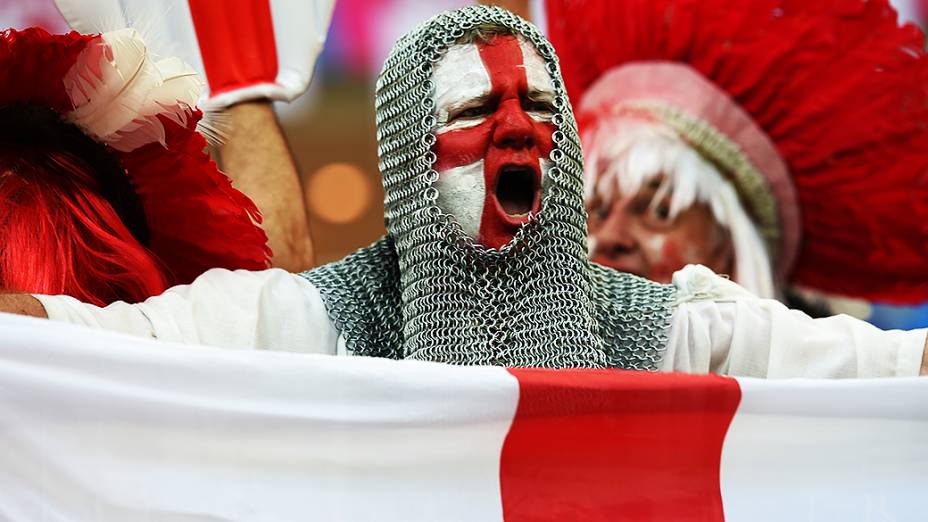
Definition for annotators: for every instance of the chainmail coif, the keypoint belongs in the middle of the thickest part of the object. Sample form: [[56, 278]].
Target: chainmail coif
[[428, 291]]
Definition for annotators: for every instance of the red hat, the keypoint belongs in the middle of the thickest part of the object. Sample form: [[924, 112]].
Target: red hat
[[142, 112], [816, 110]]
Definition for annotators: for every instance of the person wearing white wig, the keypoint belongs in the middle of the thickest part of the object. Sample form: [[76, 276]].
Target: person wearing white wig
[[782, 144]]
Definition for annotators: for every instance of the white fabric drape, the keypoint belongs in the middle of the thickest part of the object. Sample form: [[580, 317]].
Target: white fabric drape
[[102, 426]]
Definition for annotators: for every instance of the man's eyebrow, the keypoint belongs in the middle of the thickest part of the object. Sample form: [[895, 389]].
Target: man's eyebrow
[[470, 102], [534, 93]]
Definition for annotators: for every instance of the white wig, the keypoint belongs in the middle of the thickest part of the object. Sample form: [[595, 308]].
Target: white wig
[[623, 153]]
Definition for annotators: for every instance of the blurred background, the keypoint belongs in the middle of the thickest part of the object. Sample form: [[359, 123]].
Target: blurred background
[[331, 128]]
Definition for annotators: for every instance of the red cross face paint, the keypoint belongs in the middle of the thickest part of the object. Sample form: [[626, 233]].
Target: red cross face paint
[[494, 103]]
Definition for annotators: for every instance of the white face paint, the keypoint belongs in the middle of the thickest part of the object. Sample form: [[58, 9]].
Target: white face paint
[[540, 86], [545, 165], [460, 81], [461, 193], [655, 246]]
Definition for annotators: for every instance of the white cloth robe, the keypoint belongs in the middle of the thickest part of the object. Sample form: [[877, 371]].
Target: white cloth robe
[[716, 326]]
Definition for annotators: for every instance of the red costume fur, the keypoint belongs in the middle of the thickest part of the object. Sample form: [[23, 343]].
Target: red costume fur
[[78, 217], [840, 87], [61, 236]]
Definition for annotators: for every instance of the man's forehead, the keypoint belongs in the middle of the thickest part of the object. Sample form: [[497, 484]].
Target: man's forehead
[[462, 73], [536, 70]]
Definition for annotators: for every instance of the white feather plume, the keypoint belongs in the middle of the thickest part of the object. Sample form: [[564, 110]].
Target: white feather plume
[[118, 91]]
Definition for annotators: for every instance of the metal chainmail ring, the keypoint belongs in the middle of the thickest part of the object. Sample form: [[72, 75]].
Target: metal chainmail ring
[[429, 292]]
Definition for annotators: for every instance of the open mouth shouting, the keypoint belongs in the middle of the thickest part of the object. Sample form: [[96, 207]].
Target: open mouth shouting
[[517, 192]]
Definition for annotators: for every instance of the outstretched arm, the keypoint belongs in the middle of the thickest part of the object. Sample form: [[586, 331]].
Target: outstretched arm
[[21, 304], [257, 158], [718, 327], [270, 309], [925, 360], [762, 338]]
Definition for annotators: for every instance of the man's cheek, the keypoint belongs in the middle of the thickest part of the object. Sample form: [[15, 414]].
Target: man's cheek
[[671, 252], [543, 133], [461, 194], [461, 147], [664, 256]]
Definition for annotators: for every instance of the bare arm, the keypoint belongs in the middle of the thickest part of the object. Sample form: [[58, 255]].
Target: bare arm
[[22, 304], [258, 160], [924, 370]]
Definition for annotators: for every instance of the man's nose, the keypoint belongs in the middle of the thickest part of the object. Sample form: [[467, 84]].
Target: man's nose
[[514, 128], [614, 237]]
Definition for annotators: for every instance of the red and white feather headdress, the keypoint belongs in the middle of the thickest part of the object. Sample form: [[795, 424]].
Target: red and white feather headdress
[[143, 111], [815, 110]]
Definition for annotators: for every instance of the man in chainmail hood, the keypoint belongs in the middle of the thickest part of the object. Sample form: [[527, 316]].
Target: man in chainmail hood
[[482, 170], [485, 257]]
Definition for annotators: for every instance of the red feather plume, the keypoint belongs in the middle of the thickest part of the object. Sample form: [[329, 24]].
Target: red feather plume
[[196, 220], [840, 88]]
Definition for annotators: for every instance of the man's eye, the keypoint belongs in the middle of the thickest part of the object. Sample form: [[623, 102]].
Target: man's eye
[[472, 112], [538, 106], [654, 214], [662, 212], [658, 216]]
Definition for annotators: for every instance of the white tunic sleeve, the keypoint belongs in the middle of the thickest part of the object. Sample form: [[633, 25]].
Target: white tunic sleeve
[[719, 327], [271, 309]]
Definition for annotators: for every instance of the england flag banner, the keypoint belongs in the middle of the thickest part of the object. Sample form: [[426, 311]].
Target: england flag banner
[[100, 426]]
